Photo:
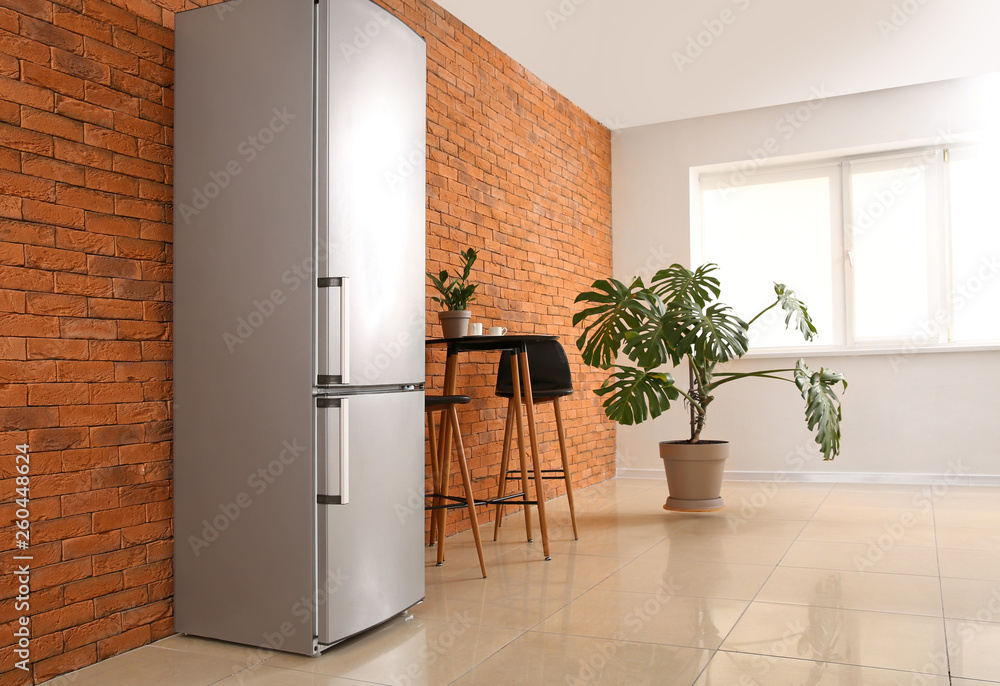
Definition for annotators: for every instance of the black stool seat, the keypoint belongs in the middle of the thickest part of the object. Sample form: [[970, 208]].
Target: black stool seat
[[539, 393], [550, 373], [431, 401]]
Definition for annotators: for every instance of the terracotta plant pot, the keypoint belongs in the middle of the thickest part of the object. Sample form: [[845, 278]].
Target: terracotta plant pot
[[694, 474], [454, 323]]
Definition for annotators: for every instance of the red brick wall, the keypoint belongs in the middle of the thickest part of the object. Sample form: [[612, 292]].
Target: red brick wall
[[85, 288], [514, 170]]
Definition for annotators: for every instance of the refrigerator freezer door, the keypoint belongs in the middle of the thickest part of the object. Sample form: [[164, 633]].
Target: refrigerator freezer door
[[372, 194], [371, 561]]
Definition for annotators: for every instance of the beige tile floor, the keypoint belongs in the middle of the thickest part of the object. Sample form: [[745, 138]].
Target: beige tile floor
[[820, 584]]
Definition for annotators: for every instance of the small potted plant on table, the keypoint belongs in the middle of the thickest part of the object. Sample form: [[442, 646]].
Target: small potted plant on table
[[455, 297], [677, 319]]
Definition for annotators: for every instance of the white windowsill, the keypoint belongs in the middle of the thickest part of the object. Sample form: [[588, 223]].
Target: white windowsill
[[765, 353]]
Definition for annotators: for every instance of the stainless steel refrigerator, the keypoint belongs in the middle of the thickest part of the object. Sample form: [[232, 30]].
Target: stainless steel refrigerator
[[299, 205]]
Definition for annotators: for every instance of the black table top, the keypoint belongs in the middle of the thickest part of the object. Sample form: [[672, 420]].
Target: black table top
[[511, 341]]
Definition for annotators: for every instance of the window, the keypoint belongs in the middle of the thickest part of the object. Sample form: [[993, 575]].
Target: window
[[892, 250]]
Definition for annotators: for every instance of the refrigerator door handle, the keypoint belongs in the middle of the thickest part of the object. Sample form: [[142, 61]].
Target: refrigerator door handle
[[330, 333], [333, 429]]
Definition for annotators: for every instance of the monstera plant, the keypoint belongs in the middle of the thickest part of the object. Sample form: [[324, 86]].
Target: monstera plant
[[678, 321]]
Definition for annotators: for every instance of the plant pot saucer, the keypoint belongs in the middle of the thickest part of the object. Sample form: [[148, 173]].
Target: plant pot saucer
[[709, 505], [694, 474]]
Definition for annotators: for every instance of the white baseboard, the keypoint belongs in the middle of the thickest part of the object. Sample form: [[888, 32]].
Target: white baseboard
[[835, 477]]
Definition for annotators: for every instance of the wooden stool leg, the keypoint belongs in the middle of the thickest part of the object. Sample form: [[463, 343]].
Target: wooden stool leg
[[434, 475], [445, 477], [565, 466], [522, 457], [504, 464], [536, 464], [467, 481]]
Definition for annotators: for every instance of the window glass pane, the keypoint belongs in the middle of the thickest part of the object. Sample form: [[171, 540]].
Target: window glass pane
[[776, 228], [975, 230], [890, 256]]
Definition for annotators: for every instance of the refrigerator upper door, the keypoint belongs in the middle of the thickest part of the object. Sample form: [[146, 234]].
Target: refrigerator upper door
[[372, 196], [371, 561]]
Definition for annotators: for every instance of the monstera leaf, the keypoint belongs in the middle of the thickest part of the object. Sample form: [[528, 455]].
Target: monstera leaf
[[676, 284], [615, 312], [822, 405], [795, 309], [635, 395], [711, 335], [648, 344]]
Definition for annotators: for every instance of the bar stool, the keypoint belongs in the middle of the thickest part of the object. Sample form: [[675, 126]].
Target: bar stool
[[442, 502], [551, 380]]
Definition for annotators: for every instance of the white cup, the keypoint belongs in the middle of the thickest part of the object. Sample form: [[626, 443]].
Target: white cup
[[476, 329], [498, 330]]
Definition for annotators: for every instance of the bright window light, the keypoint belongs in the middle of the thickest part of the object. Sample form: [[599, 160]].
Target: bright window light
[[783, 222], [893, 219], [975, 241], [895, 250]]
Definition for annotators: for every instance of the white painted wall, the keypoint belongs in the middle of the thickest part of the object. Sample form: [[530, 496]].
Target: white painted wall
[[923, 414]]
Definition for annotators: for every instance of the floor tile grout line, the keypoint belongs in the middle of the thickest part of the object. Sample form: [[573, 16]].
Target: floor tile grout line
[[483, 661], [588, 589], [752, 600], [944, 613], [831, 662]]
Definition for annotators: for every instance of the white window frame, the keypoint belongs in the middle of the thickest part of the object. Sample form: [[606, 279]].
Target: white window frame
[[941, 303]]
